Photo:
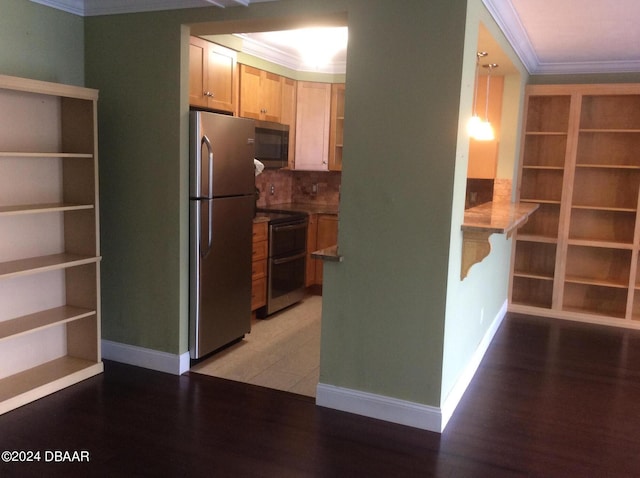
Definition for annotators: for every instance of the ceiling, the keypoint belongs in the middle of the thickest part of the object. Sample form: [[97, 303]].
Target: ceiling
[[571, 36], [549, 36]]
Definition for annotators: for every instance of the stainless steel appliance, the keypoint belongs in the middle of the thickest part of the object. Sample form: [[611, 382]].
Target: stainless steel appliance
[[287, 259], [221, 207], [272, 144]]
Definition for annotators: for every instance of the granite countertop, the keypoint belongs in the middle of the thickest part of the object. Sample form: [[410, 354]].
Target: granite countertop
[[497, 217], [309, 208]]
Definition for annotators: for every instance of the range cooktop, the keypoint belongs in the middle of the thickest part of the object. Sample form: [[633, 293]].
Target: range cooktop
[[277, 216]]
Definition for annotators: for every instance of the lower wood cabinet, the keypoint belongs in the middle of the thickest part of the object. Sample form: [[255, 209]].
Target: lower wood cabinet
[[322, 233], [259, 266]]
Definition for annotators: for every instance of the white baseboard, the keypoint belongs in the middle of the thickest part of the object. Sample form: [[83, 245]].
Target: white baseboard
[[146, 358], [455, 395], [404, 412], [380, 407]]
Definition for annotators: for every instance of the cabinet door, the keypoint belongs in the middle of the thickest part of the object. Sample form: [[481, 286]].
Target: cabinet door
[[327, 236], [260, 94], [197, 71], [221, 78], [212, 75], [337, 127], [250, 92], [288, 115], [312, 126], [271, 89]]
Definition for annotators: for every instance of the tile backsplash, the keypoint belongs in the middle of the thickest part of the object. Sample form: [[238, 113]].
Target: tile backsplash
[[308, 187]]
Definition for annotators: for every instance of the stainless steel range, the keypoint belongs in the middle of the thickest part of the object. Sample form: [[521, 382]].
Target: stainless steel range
[[287, 259]]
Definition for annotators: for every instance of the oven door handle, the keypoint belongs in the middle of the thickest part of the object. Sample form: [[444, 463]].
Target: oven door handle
[[284, 260], [289, 227]]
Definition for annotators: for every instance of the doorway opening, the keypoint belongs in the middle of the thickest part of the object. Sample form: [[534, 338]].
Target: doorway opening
[[283, 350]]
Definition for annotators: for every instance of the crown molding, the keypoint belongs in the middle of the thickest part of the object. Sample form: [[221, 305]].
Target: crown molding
[[509, 22], [88, 8], [279, 57], [71, 6], [587, 67]]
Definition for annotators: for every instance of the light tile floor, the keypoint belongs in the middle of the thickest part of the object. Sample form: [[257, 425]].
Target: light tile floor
[[281, 352]]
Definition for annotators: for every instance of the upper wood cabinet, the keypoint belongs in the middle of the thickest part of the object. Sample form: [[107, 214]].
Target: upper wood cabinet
[[337, 127], [312, 126], [288, 115], [212, 76], [260, 94]]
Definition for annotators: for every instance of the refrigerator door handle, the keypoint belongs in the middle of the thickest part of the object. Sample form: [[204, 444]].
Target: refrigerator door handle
[[204, 252], [206, 142]]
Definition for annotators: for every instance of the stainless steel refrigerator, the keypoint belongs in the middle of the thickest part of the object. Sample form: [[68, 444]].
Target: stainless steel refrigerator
[[221, 204]]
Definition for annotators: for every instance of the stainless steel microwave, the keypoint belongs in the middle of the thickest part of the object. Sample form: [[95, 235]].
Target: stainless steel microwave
[[272, 144]]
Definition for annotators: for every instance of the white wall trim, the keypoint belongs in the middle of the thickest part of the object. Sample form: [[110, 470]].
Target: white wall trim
[[113, 7], [403, 412], [455, 395], [378, 406], [146, 358]]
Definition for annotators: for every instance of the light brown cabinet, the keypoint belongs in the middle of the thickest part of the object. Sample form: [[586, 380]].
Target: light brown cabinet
[[259, 266], [336, 133], [321, 233], [212, 76], [49, 239], [577, 257], [288, 114], [312, 126], [260, 94]]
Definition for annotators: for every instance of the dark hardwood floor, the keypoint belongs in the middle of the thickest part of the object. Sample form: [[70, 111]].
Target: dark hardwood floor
[[551, 399]]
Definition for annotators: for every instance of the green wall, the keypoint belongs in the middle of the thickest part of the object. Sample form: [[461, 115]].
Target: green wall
[[384, 306], [41, 43], [474, 303]]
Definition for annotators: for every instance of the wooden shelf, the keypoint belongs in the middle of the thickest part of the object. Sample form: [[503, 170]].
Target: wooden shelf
[[608, 166], [537, 238], [596, 282], [556, 168], [24, 387], [43, 263], [609, 130], [530, 275], [41, 320], [42, 208], [602, 244], [14, 154]]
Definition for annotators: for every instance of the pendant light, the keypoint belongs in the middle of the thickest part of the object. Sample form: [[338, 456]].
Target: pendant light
[[485, 130], [474, 122]]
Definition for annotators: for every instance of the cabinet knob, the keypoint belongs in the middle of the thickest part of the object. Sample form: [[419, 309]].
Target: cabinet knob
[[209, 94]]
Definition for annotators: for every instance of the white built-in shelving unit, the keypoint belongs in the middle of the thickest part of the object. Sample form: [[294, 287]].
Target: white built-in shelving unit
[[49, 239]]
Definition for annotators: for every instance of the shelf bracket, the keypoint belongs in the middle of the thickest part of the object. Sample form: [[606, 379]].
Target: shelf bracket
[[475, 247]]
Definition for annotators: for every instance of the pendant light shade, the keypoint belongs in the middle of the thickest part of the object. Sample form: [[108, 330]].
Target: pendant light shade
[[478, 128]]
